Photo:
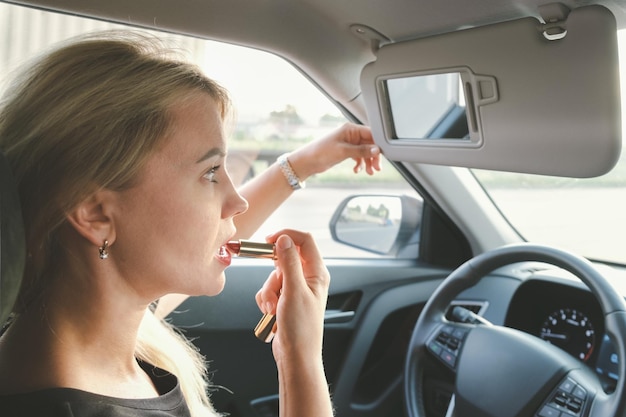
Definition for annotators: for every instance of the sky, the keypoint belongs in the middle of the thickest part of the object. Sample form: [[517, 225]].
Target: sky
[[251, 76]]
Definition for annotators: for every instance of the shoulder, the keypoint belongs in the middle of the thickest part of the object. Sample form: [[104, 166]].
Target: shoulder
[[69, 402], [46, 403]]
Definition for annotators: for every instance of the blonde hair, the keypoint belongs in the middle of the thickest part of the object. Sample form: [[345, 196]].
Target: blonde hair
[[86, 116]]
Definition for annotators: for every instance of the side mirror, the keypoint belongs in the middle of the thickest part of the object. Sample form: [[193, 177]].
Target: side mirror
[[382, 224]]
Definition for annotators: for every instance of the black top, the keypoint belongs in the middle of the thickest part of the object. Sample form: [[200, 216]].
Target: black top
[[69, 402]]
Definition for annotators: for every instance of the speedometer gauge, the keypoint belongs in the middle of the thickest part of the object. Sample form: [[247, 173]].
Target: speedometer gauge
[[570, 330]]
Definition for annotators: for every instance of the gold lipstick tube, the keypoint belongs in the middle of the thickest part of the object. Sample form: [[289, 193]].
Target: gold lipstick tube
[[256, 249], [264, 329]]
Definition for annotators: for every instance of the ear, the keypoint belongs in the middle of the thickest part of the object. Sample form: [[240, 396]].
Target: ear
[[91, 218]]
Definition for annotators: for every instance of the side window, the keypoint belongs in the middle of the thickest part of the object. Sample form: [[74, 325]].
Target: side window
[[277, 110]]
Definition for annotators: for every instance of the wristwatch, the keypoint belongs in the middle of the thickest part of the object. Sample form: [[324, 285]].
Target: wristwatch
[[290, 175]]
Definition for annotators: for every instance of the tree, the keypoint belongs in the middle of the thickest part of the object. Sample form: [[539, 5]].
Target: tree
[[286, 121]]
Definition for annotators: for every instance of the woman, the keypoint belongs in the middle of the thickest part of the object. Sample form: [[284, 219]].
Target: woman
[[118, 152]]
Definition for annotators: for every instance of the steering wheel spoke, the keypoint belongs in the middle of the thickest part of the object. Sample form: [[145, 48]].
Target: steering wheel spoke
[[569, 398], [446, 342]]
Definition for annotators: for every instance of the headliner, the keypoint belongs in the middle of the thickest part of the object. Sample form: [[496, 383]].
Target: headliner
[[318, 36]]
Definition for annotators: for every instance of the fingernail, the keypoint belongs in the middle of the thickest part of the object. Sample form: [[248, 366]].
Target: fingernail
[[268, 308], [374, 150], [284, 242]]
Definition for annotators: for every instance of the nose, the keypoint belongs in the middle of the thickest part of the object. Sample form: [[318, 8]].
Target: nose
[[234, 204], [241, 205]]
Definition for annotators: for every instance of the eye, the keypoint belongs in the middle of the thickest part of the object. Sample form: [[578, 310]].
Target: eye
[[211, 173]]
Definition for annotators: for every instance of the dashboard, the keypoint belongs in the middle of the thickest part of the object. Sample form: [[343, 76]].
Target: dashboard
[[567, 316]]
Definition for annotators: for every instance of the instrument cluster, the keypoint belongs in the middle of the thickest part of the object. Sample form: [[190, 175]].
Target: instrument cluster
[[568, 317]]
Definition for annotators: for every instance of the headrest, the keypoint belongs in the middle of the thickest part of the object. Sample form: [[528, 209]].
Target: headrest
[[12, 240]]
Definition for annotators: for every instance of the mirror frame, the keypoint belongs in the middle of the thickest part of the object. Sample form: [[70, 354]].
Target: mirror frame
[[410, 222]]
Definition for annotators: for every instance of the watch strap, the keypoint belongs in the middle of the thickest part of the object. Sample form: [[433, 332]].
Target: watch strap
[[291, 177]]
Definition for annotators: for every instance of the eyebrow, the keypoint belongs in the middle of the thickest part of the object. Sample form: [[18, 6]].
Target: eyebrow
[[211, 153]]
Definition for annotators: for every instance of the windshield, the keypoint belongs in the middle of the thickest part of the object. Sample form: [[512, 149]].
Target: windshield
[[587, 216]]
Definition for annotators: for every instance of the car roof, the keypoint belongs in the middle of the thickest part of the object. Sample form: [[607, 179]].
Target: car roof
[[329, 40]]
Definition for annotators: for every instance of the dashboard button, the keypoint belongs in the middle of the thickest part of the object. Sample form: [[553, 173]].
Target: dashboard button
[[567, 386], [579, 392], [435, 348], [448, 357], [548, 411], [573, 406], [560, 399], [453, 343], [459, 334]]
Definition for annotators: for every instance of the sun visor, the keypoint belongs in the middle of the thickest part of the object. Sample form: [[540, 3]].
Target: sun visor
[[535, 98]]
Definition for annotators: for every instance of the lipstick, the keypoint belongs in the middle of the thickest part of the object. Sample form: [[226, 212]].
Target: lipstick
[[264, 329], [250, 249]]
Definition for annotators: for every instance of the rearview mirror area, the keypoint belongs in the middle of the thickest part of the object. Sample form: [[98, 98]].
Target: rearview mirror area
[[381, 224]]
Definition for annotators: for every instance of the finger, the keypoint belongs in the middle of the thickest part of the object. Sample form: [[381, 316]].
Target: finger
[[303, 242], [362, 151], [267, 297], [376, 161], [368, 167], [359, 134], [309, 258], [372, 164], [299, 238], [365, 154], [290, 264]]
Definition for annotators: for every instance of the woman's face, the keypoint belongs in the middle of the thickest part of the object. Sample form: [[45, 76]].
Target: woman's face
[[171, 226]]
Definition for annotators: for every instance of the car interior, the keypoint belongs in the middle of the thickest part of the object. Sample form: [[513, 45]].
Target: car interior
[[450, 308]]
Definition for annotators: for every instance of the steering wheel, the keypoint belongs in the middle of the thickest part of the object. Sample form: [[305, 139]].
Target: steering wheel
[[502, 372]]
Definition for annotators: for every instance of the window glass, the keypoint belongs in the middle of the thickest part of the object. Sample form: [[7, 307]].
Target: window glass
[[277, 109], [585, 216]]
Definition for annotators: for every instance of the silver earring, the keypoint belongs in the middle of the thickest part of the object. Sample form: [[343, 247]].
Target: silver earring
[[103, 252]]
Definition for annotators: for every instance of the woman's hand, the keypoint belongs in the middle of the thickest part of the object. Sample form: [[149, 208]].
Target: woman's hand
[[349, 141], [296, 292]]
